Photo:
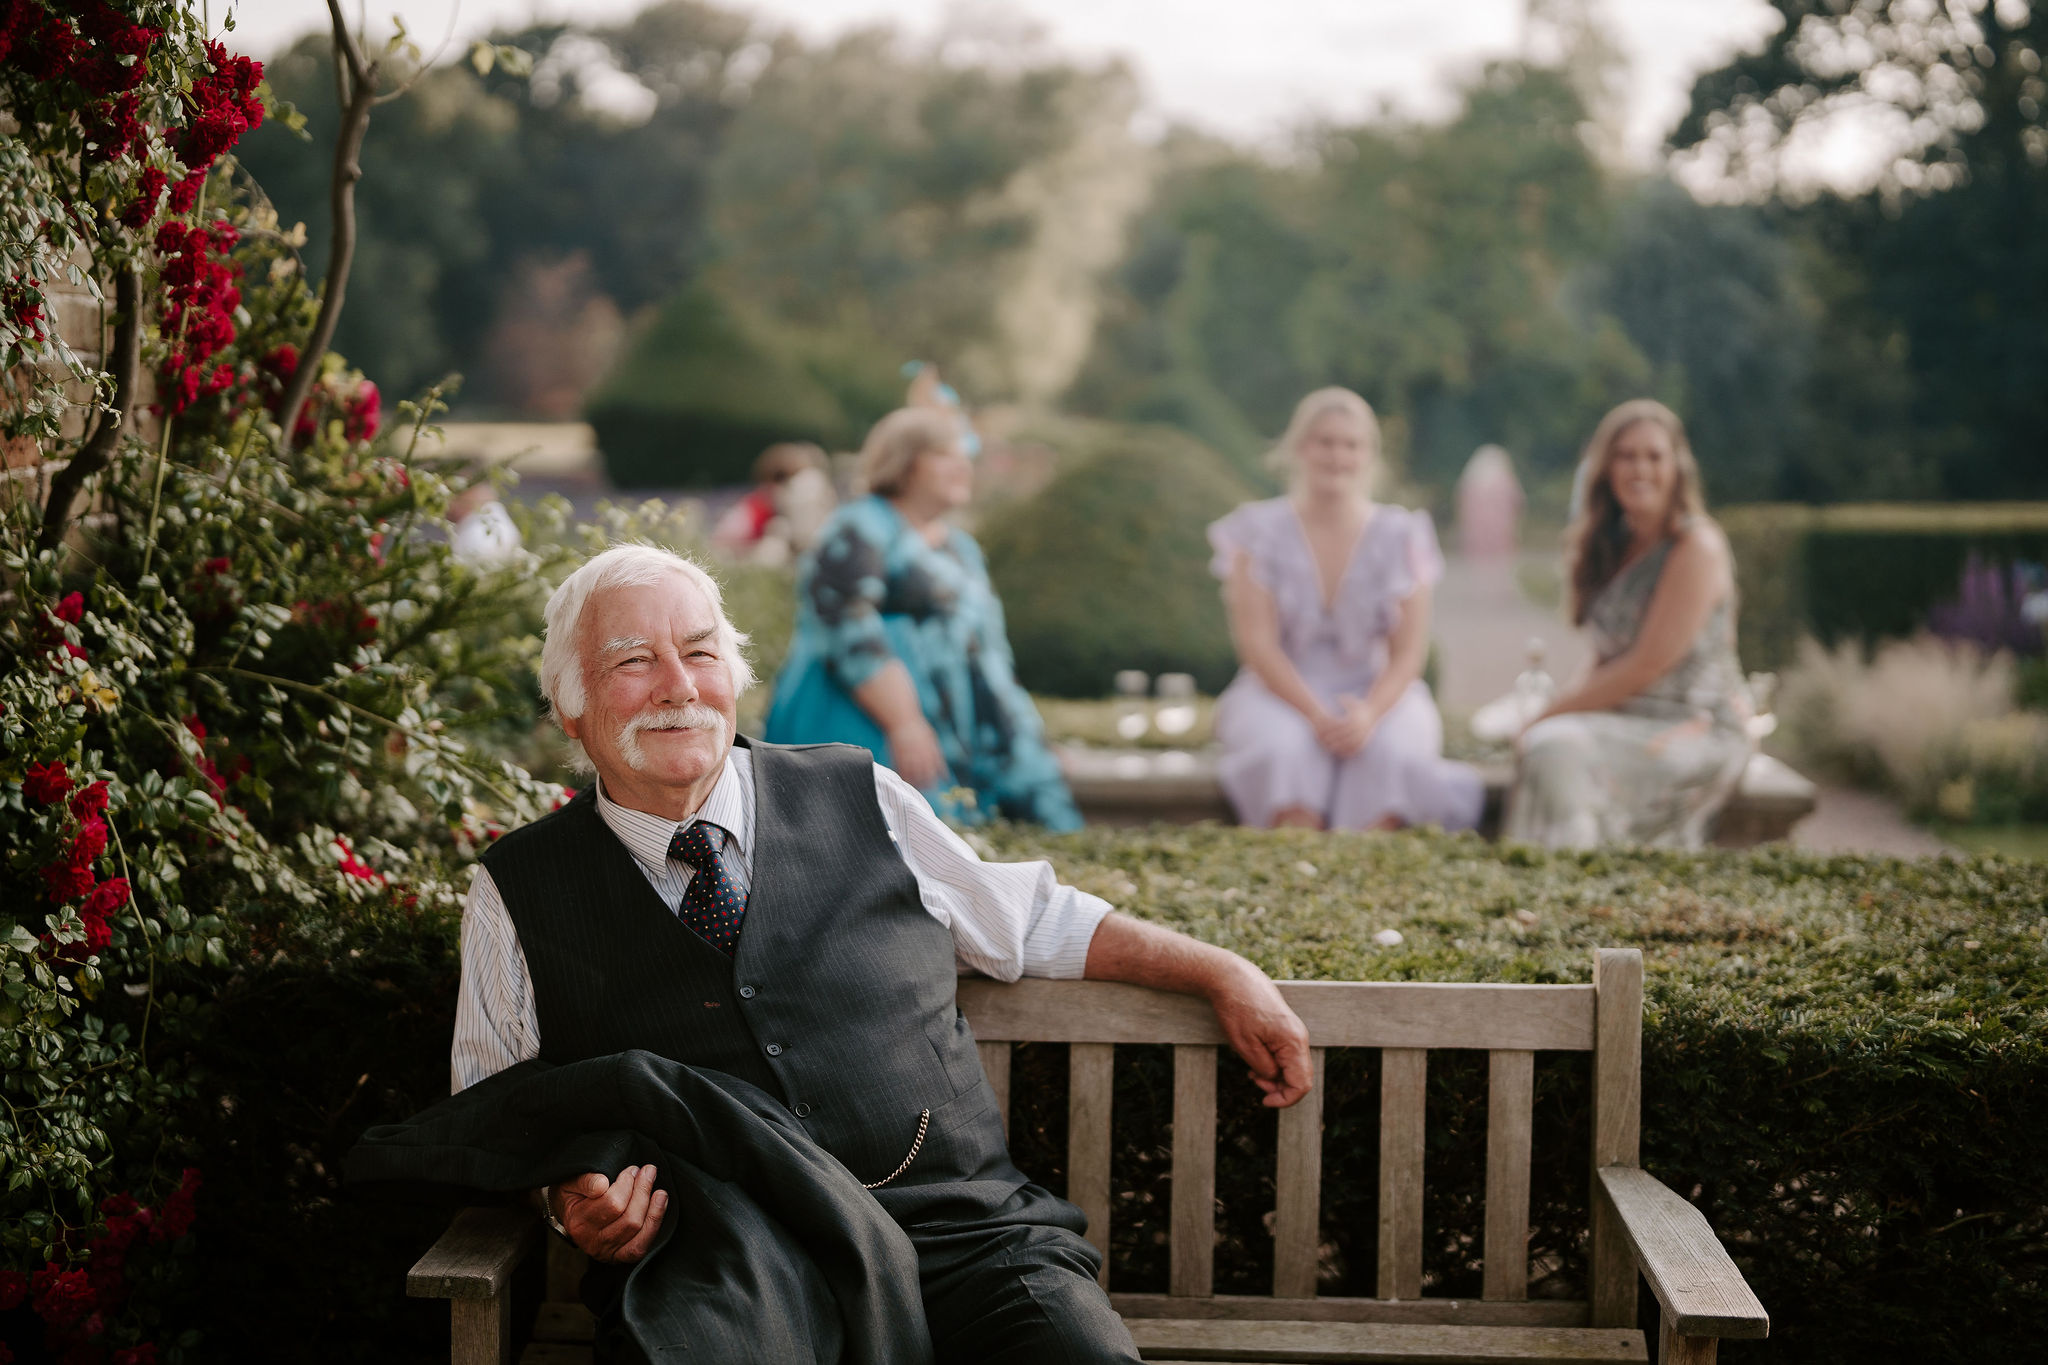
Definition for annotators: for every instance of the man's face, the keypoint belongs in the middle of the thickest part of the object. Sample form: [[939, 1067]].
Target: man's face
[[658, 710]]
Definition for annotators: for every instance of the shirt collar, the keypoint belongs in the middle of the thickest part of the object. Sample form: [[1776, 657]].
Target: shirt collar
[[647, 837]]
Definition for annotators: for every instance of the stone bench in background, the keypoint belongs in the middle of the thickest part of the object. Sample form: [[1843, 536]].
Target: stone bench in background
[[1123, 787]]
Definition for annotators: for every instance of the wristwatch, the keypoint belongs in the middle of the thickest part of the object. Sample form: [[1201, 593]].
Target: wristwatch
[[547, 1211]]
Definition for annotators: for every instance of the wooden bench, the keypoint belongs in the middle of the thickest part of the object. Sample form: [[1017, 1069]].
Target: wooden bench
[[1636, 1224], [1124, 787]]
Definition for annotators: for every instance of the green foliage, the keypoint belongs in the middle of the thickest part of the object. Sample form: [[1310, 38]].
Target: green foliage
[[1107, 567], [1937, 279], [243, 697], [1422, 266], [1844, 1065], [480, 176], [708, 385], [1862, 572]]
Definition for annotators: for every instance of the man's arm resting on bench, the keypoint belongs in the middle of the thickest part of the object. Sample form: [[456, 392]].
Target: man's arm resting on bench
[[1257, 1021]]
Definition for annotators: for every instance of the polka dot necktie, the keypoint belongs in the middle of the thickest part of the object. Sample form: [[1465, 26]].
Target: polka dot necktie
[[712, 905]]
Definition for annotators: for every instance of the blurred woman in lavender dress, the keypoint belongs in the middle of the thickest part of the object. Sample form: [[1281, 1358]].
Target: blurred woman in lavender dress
[[1328, 724]]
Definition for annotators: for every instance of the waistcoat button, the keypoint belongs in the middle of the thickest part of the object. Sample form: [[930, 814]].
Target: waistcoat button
[[802, 1111], [774, 1049], [746, 992]]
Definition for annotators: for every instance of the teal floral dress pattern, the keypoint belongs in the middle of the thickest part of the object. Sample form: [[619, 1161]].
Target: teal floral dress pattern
[[873, 589]]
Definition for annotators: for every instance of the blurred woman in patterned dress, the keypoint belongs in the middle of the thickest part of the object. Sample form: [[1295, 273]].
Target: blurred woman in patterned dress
[[1649, 745], [900, 645], [1328, 724]]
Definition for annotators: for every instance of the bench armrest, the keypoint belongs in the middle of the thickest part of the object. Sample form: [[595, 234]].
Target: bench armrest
[[1698, 1286], [475, 1257]]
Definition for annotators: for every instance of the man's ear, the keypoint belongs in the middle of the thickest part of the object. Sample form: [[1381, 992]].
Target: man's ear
[[572, 726]]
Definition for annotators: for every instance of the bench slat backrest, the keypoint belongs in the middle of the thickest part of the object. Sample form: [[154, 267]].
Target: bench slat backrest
[[1405, 1020]]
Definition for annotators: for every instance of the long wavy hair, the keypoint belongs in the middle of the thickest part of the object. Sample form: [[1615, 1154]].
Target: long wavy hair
[[1597, 541]]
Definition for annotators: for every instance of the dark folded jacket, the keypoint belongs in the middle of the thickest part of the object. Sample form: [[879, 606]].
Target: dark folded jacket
[[770, 1249]]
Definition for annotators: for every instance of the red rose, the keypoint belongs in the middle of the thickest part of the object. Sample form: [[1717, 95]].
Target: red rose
[[144, 1353], [67, 882], [71, 609], [90, 801], [62, 1297], [174, 1219], [46, 783], [13, 1290], [109, 896], [149, 192], [196, 726], [90, 843], [363, 414]]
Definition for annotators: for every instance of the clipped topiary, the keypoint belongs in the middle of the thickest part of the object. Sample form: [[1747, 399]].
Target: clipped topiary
[[707, 386], [1107, 567]]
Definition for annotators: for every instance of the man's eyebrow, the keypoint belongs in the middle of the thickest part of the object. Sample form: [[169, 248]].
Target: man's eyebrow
[[701, 636], [621, 643]]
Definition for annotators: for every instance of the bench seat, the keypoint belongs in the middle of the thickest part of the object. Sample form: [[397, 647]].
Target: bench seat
[[1638, 1229], [1124, 787]]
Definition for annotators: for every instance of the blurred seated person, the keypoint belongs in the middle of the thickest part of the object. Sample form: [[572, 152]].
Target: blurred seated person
[[1647, 747], [900, 647], [485, 537], [791, 498], [1328, 724]]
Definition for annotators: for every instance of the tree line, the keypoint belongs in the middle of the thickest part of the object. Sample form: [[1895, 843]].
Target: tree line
[[980, 200]]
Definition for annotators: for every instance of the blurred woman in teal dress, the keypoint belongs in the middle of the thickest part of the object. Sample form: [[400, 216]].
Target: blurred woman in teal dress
[[900, 645]]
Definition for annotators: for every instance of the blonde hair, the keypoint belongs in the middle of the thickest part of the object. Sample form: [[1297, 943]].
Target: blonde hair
[[892, 447], [1312, 409], [1597, 541]]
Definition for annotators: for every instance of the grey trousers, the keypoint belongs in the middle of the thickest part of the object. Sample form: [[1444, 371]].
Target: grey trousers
[[1015, 1288]]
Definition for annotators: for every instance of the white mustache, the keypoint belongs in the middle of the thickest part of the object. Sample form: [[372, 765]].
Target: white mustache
[[695, 716]]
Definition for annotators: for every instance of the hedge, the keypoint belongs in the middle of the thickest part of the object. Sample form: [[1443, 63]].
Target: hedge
[[1844, 1065], [1862, 571], [1107, 567], [707, 386]]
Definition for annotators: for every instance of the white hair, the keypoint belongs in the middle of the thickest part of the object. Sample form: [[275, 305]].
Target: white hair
[[623, 566]]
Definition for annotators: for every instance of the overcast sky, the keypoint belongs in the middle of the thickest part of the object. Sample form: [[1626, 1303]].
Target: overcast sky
[[1247, 70]]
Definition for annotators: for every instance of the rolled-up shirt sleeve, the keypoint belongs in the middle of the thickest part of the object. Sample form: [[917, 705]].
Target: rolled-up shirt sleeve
[[495, 1019], [1007, 919]]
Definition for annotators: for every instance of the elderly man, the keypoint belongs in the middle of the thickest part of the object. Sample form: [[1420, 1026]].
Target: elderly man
[[796, 917]]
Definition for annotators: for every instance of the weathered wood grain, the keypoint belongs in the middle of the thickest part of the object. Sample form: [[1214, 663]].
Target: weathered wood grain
[[995, 1064], [1091, 1082], [1697, 1285], [1617, 1125], [1443, 1312], [1423, 1014], [568, 1323], [1404, 1074], [1198, 1339], [474, 1258], [1191, 1262], [1676, 1349], [1510, 1107], [1298, 1190], [565, 1270]]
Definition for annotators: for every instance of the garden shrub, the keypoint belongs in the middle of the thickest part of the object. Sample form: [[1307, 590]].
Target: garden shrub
[[1931, 720], [1863, 571], [1107, 567], [707, 386], [1845, 1066]]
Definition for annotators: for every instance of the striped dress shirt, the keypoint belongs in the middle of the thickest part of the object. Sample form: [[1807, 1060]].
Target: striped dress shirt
[[1007, 919]]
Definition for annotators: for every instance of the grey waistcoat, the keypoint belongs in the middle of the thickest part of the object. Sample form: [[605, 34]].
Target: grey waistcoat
[[839, 999]]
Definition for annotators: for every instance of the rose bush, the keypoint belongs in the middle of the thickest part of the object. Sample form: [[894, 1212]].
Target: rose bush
[[241, 676]]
